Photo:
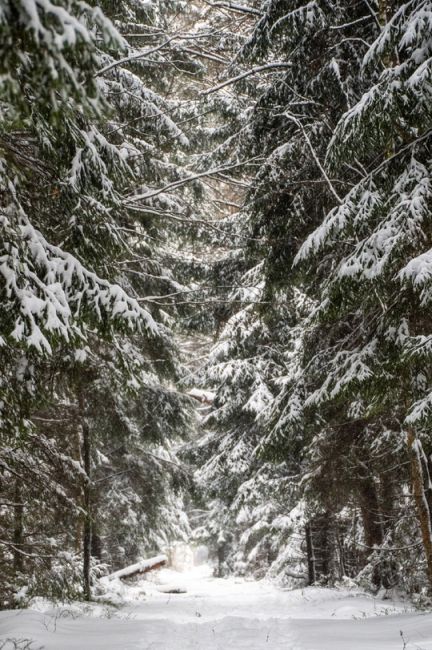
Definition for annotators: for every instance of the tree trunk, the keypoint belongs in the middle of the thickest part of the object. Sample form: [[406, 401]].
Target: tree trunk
[[18, 533], [96, 541], [389, 571], [143, 566], [310, 554], [427, 477], [78, 533], [341, 554], [370, 511], [429, 484], [87, 532], [326, 547], [423, 513]]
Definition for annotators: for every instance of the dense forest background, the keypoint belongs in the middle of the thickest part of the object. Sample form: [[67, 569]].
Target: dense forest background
[[215, 285]]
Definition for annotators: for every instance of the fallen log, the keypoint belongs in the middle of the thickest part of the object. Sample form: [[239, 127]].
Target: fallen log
[[203, 396], [143, 566]]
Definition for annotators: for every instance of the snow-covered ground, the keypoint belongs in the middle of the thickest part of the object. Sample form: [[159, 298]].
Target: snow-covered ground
[[222, 614]]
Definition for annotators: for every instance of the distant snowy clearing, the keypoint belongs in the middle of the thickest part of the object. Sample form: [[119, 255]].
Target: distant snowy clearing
[[221, 614]]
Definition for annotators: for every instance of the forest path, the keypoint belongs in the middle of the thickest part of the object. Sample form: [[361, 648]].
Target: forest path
[[217, 614]]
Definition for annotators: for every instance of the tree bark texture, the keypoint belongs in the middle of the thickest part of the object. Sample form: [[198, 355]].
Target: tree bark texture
[[370, 511], [18, 533], [87, 531], [418, 488]]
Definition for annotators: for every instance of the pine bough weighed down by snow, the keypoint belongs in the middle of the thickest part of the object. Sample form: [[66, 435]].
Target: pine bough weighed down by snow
[[305, 169], [81, 398], [342, 205]]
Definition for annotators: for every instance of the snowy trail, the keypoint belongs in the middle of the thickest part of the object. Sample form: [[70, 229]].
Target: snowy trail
[[224, 615]]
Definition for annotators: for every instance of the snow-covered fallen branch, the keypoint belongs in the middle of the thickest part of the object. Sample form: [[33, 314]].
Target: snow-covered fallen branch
[[143, 566], [203, 396]]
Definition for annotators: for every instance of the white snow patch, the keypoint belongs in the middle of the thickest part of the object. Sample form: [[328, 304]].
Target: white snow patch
[[226, 614]]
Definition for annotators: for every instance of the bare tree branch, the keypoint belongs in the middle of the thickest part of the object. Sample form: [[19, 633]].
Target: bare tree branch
[[233, 6], [184, 181], [134, 57], [244, 75]]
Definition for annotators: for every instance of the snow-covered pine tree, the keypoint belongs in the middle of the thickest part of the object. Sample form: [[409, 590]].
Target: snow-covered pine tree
[[56, 170], [137, 422], [68, 234], [258, 493], [51, 156], [300, 66], [371, 364]]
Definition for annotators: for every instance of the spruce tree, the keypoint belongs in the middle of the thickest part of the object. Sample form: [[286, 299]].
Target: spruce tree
[[79, 259], [373, 249], [291, 66]]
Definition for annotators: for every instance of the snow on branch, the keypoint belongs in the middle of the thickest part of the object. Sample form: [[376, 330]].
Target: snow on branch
[[233, 6], [51, 289], [203, 396], [175, 184], [134, 57], [244, 75]]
